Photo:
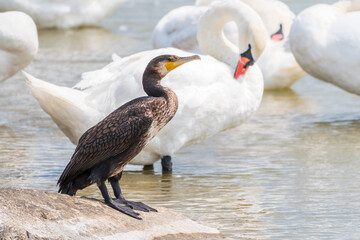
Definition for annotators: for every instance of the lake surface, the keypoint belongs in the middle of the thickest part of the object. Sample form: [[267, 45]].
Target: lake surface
[[290, 172]]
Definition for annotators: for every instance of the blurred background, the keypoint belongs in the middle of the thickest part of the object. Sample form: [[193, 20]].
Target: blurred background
[[290, 172]]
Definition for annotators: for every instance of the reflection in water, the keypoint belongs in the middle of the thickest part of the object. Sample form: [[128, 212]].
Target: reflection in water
[[30, 161], [290, 172]]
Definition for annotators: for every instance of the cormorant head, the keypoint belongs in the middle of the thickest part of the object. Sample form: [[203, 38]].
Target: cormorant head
[[163, 64]]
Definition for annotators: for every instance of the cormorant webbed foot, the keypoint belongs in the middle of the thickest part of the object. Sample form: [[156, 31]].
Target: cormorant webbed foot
[[123, 207], [135, 205], [121, 200], [166, 164]]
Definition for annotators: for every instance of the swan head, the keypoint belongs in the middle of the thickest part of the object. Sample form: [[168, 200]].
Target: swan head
[[246, 60], [273, 13], [279, 35]]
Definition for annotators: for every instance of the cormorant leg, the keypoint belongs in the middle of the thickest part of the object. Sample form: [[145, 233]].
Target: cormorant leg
[[120, 198], [122, 207], [166, 164], [114, 181]]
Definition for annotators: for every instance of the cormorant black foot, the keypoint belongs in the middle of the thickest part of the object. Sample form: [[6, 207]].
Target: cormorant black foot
[[135, 205], [166, 164], [141, 206], [123, 207]]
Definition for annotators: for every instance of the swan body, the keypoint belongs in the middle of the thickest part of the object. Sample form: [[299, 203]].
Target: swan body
[[279, 66], [325, 41], [18, 42], [210, 99], [280, 70], [178, 29], [62, 13]]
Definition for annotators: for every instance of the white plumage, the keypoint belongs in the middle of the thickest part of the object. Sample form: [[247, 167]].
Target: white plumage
[[18, 42], [325, 40], [63, 13]]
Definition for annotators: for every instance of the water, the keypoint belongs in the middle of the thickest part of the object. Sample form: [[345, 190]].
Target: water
[[291, 172]]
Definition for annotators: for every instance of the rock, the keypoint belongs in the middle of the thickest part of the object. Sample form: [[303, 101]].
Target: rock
[[32, 214]]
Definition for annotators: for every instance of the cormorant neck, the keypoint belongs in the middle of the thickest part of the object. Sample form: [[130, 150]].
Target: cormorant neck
[[151, 84]]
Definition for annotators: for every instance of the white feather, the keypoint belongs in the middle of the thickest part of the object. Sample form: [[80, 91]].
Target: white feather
[[325, 41], [18, 42], [63, 13]]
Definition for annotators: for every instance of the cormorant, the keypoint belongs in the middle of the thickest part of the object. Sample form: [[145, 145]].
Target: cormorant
[[105, 149]]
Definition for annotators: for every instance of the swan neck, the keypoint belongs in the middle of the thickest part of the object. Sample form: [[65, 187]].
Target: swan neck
[[251, 30]]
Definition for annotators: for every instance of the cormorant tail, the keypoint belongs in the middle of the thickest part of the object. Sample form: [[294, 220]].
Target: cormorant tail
[[70, 185], [66, 187]]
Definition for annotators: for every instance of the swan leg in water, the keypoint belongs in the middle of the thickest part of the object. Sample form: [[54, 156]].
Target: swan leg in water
[[120, 203], [148, 167], [166, 164]]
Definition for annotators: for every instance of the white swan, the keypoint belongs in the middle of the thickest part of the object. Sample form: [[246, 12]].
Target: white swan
[[18, 42], [63, 13], [178, 29], [210, 99], [325, 40]]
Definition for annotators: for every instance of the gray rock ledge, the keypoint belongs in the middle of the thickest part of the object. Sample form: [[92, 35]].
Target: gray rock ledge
[[32, 214]]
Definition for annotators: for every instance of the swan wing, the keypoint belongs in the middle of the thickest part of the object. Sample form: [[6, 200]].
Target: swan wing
[[178, 29]]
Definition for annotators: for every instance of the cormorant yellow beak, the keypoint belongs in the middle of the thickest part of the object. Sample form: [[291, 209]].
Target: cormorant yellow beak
[[171, 65]]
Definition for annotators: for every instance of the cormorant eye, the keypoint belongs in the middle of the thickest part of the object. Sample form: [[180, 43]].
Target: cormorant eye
[[170, 59]]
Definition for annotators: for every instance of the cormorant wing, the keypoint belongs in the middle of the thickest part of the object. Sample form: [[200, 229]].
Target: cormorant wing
[[110, 137]]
